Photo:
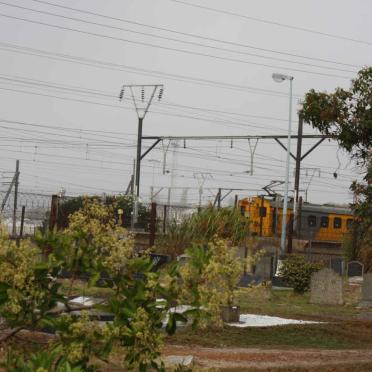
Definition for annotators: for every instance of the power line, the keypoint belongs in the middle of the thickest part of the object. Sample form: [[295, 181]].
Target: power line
[[192, 34], [183, 51], [223, 122], [175, 39], [140, 71], [110, 95], [273, 22], [95, 133]]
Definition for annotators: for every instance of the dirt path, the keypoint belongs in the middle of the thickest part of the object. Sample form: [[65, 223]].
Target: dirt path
[[261, 359]]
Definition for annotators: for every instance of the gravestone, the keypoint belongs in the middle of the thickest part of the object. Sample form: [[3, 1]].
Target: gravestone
[[354, 268], [366, 300], [264, 268], [326, 288], [338, 265]]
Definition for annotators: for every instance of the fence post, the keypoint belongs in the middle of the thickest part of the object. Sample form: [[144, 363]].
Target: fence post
[[22, 221], [152, 224], [236, 201], [53, 212], [16, 184], [165, 219]]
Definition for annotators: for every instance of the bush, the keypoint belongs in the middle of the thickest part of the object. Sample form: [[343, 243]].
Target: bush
[[71, 205], [296, 272], [210, 277], [202, 227], [94, 243]]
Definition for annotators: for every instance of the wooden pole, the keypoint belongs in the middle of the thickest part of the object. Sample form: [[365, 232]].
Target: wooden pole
[[152, 224], [53, 213]]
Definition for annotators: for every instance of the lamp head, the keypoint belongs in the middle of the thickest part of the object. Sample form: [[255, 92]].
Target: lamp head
[[281, 77]]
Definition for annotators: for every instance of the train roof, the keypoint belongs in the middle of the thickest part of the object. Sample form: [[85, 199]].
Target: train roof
[[320, 208]]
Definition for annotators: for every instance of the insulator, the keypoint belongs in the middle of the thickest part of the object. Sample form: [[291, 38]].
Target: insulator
[[143, 94], [335, 175], [160, 93], [121, 95]]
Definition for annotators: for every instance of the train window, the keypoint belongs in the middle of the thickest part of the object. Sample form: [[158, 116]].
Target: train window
[[349, 223], [311, 221], [337, 222], [262, 211], [324, 221]]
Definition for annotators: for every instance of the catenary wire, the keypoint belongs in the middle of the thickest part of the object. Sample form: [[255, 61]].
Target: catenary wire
[[175, 39], [179, 50]]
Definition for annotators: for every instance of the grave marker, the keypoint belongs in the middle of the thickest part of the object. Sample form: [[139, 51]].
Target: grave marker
[[355, 268], [366, 291], [326, 288]]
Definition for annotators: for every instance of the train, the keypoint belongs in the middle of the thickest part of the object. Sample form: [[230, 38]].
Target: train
[[315, 222]]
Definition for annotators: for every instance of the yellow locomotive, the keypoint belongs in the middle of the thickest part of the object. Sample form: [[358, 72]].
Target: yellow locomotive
[[323, 223]]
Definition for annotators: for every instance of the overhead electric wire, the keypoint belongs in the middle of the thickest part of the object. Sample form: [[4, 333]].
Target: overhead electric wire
[[192, 169], [218, 157], [99, 133], [111, 95], [243, 16], [140, 71], [185, 168], [175, 39], [119, 144], [179, 50], [197, 36], [223, 122]]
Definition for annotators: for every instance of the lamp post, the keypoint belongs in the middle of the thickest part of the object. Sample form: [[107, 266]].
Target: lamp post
[[279, 78]]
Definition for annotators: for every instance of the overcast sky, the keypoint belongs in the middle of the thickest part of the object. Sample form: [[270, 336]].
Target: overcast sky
[[60, 79]]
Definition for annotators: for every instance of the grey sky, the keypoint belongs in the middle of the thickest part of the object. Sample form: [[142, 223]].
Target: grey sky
[[102, 161]]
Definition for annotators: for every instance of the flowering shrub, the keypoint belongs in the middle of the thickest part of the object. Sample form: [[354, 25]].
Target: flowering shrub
[[211, 275], [28, 289], [93, 244]]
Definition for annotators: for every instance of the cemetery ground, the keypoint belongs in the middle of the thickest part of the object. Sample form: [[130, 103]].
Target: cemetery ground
[[341, 342]]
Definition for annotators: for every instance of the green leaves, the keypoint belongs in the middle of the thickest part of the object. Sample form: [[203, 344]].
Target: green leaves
[[345, 113], [202, 227], [173, 318], [296, 271]]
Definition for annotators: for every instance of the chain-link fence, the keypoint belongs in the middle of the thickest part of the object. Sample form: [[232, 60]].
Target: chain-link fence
[[35, 205]]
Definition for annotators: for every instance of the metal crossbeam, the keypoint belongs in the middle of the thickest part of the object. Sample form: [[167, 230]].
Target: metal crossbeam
[[280, 136]]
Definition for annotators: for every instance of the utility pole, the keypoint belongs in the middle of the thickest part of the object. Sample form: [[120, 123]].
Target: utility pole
[[297, 172], [141, 104], [16, 184]]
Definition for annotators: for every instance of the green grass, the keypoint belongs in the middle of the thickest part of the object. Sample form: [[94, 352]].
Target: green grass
[[81, 288], [261, 300], [341, 335]]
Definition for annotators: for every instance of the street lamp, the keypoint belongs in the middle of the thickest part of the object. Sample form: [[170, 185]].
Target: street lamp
[[279, 78]]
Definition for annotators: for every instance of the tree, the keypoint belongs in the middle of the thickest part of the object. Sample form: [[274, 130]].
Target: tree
[[347, 114], [71, 205]]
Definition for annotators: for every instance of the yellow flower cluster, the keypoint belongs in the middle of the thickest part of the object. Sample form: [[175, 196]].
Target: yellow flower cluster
[[82, 336], [217, 280], [146, 340], [17, 271], [96, 234]]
